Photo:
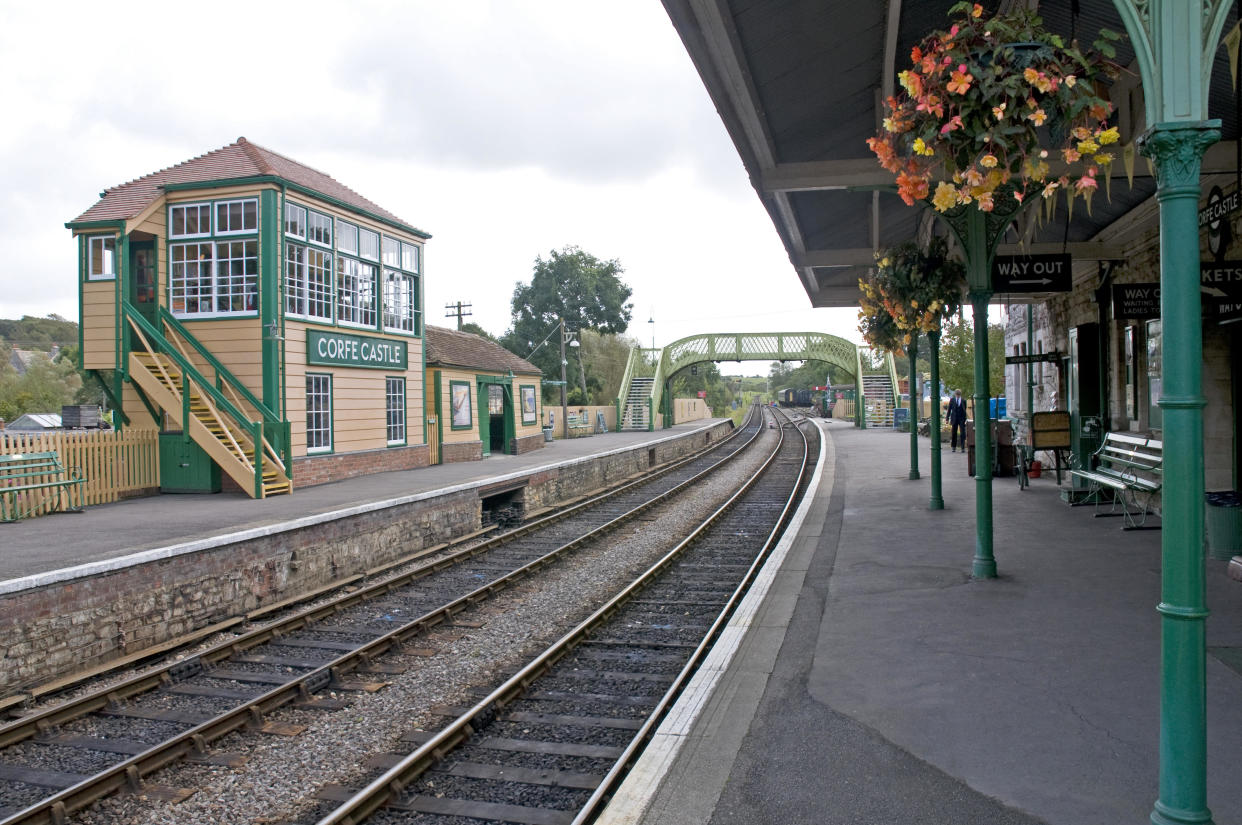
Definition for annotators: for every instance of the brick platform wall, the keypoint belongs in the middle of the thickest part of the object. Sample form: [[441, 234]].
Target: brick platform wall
[[47, 632]]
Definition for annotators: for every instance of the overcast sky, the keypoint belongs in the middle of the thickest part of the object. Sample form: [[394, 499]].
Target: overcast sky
[[505, 129]]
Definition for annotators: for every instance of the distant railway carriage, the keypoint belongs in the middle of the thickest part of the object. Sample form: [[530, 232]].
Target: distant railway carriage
[[790, 397]]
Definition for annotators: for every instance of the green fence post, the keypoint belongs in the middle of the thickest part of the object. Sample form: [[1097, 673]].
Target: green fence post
[[914, 408]]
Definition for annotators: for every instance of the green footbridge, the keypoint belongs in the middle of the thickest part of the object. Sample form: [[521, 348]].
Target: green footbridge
[[646, 385]]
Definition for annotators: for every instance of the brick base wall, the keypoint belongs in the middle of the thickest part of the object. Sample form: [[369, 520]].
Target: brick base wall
[[50, 631], [313, 470], [527, 443], [461, 451]]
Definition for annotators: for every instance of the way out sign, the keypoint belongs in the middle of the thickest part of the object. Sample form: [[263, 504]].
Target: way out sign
[[1032, 273]]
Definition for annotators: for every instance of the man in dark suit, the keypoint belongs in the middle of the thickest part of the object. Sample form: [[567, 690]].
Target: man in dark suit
[[956, 416]]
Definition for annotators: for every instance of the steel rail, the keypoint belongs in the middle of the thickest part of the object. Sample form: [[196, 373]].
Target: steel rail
[[129, 772], [393, 781], [31, 725]]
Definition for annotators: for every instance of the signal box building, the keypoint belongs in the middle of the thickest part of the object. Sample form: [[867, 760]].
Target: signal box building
[[481, 398], [266, 318]]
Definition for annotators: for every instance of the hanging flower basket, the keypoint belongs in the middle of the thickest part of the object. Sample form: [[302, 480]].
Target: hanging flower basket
[[993, 101], [911, 291]]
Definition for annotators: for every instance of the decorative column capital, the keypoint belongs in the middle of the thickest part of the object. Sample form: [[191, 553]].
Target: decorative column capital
[[1176, 150]]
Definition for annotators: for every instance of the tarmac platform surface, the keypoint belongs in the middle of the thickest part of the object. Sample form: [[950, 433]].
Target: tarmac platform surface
[[878, 683], [111, 531]]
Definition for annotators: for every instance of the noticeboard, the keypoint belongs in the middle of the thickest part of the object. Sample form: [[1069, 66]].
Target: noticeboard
[[1050, 430]]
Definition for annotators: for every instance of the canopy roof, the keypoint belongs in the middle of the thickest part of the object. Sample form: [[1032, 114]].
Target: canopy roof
[[799, 85]]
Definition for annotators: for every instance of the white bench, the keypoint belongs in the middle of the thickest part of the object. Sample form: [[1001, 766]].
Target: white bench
[[1129, 467]]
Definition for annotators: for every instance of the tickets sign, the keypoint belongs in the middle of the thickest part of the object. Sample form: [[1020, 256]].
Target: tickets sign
[[339, 349]]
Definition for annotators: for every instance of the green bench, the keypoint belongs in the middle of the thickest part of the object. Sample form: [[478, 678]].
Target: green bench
[[30, 482], [1129, 467]]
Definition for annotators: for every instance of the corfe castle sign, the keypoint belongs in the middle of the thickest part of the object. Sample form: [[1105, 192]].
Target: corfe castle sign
[[338, 349]]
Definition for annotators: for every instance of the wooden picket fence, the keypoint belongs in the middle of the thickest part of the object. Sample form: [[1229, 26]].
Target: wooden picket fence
[[114, 464]]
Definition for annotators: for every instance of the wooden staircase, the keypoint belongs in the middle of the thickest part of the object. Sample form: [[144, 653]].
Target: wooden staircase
[[227, 444]]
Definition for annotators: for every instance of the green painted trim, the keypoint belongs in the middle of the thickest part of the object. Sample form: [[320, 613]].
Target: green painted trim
[[122, 271], [453, 425], [269, 298], [109, 224], [439, 402], [300, 189], [405, 406], [81, 299], [422, 383]]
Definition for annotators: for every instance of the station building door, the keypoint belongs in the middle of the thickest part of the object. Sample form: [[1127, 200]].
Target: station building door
[[496, 427]]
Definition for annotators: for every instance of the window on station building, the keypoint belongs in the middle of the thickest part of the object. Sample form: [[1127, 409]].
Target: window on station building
[[368, 244], [355, 292], [400, 302], [189, 220], [214, 278], [395, 405], [237, 217], [402, 306], [1155, 419], [346, 238], [319, 228], [295, 221], [318, 413], [308, 282], [100, 257]]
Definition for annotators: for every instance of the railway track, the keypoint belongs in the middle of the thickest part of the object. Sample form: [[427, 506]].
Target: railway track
[[61, 759], [548, 745]]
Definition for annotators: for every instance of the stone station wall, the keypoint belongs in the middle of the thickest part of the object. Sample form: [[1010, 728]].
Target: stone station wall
[[49, 631]]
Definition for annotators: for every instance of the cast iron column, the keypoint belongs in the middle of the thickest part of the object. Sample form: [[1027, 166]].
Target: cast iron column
[[1176, 150], [984, 566], [564, 404], [1030, 383], [936, 502], [914, 406]]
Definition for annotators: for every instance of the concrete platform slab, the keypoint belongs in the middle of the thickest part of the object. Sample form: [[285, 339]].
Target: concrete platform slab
[[113, 531], [904, 691]]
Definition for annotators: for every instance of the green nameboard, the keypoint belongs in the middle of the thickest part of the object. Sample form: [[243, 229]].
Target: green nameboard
[[338, 349]]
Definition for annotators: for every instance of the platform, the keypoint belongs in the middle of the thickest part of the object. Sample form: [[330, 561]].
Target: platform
[[113, 531], [878, 683]]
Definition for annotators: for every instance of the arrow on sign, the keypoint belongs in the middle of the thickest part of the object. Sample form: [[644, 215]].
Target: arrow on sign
[[1044, 281], [1216, 293]]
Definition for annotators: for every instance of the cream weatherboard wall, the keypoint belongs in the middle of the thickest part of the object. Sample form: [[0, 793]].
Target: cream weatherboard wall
[[359, 396], [99, 332]]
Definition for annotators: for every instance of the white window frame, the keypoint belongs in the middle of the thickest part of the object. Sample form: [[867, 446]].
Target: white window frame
[[411, 257], [226, 205], [352, 287], [323, 221], [395, 411], [293, 208], [179, 291], [105, 274], [365, 235], [390, 249], [174, 208], [319, 386], [311, 281], [396, 300], [346, 237]]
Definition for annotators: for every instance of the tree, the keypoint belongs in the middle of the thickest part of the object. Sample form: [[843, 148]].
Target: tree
[[475, 329], [957, 357], [573, 285], [607, 356], [44, 387]]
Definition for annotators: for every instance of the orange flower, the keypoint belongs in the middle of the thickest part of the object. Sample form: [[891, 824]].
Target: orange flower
[[912, 187], [977, 11], [954, 122], [1070, 155], [960, 83], [1037, 117]]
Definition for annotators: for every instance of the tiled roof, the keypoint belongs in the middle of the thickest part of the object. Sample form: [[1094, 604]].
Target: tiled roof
[[242, 159], [448, 347]]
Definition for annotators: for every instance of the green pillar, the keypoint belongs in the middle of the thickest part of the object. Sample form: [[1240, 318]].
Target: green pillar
[[270, 222], [984, 565], [1176, 150], [936, 502], [914, 421], [1030, 382]]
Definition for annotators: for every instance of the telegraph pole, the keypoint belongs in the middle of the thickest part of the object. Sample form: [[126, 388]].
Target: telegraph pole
[[564, 404], [458, 311]]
